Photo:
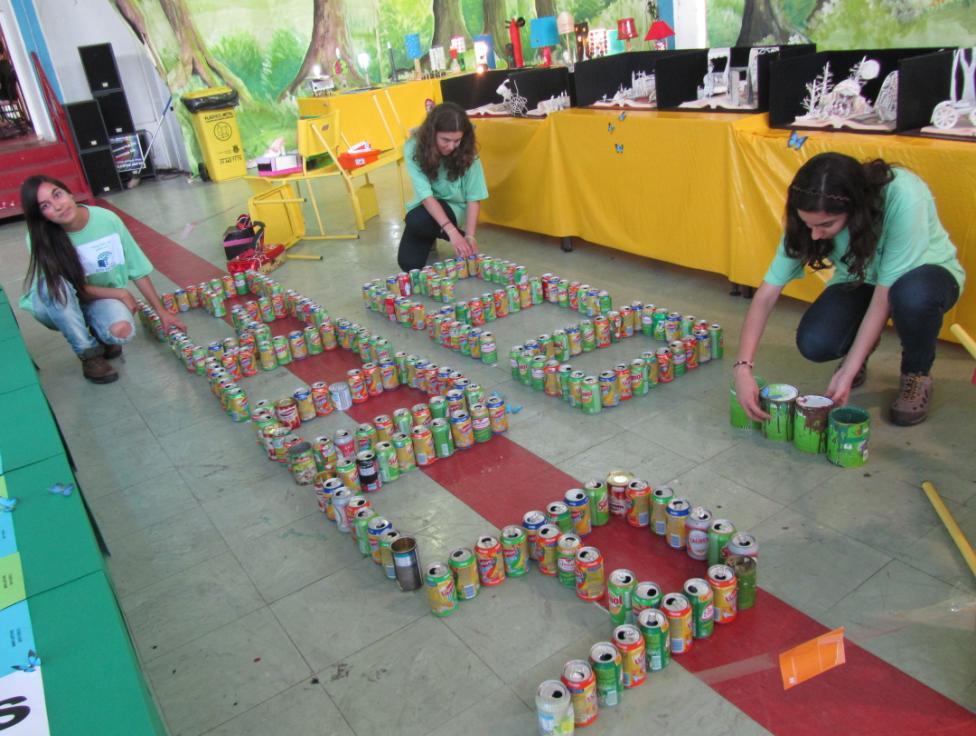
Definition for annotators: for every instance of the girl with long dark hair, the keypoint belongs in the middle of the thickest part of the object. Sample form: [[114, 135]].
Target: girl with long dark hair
[[877, 226], [448, 184], [81, 259]]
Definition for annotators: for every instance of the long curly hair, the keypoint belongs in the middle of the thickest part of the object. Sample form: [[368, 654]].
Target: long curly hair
[[445, 118], [52, 255], [837, 184]]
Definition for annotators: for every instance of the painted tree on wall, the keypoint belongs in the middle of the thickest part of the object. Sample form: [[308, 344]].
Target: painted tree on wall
[[495, 23], [761, 19], [329, 32], [448, 22], [544, 8]]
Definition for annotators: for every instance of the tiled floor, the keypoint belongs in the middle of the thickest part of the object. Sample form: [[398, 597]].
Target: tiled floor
[[253, 616]]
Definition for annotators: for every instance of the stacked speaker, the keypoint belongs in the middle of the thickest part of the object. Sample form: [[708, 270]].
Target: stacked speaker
[[95, 121]]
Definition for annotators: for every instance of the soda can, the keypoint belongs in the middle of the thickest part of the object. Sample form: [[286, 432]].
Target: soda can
[[721, 579], [440, 431], [678, 610], [665, 366], [515, 550], [566, 549], [404, 452], [558, 513], [596, 492], [369, 473], [421, 415], [287, 412], [677, 534], [719, 534], [365, 437], [376, 527], [590, 396], [402, 420], [440, 590], [660, 499], [547, 540], [620, 591], [406, 563], [296, 343], [638, 503], [386, 459], [590, 579], [465, 570], [491, 562], [462, 430], [647, 594], [386, 540], [497, 414], [301, 463], [340, 502], [697, 522], [629, 641], [554, 709], [718, 341], [579, 680], [608, 671], [324, 488], [699, 594], [704, 346], [531, 522], [609, 392], [423, 445], [345, 444], [579, 510], [305, 405], [575, 389], [356, 504], [653, 625], [618, 481], [746, 570], [481, 422], [358, 390], [348, 472]]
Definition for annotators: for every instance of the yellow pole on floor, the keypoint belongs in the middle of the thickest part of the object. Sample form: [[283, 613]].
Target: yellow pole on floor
[[967, 342], [965, 548], [302, 257]]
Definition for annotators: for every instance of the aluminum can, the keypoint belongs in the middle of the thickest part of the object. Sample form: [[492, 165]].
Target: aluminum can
[[638, 503], [324, 488], [340, 503], [481, 422], [678, 610], [718, 341], [376, 527], [721, 579], [618, 481], [531, 522], [497, 414], [608, 670], [348, 472], [365, 437], [386, 459], [369, 473], [697, 522], [653, 625], [629, 641], [404, 452], [387, 539], [301, 463], [558, 513], [491, 562], [647, 594], [440, 431], [547, 540], [579, 509], [465, 569], [590, 579], [462, 430], [423, 445], [620, 591], [699, 595], [746, 571], [406, 563], [579, 680], [590, 397], [678, 510], [515, 550], [566, 549], [554, 709], [345, 444], [665, 365], [287, 412], [596, 491], [609, 393], [305, 405], [743, 544], [660, 498], [440, 590], [719, 534]]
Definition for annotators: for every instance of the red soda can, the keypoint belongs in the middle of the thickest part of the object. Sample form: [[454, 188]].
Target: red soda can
[[476, 312], [491, 561], [345, 444], [374, 381], [500, 297], [665, 369], [231, 364], [421, 415], [357, 386], [691, 352], [322, 399], [601, 326], [629, 641], [245, 358], [287, 412], [403, 284]]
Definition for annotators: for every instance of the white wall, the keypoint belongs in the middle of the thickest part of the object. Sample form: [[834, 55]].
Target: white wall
[[24, 67], [69, 24], [690, 28]]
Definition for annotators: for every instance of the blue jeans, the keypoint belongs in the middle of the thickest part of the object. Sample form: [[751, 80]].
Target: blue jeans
[[918, 301], [76, 320]]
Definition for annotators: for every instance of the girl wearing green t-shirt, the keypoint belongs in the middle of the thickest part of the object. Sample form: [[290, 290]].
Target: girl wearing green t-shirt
[[81, 259], [448, 184], [878, 228]]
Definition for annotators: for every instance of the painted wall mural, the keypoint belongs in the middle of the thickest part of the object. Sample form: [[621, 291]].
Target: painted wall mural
[[265, 49]]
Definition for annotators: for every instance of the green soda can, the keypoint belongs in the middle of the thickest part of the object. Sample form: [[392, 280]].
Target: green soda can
[[647, 594], [463, 564], [590, 401], [544, 340], [525, 368], [539, 372], [609, 671], [702, 599], [513, 361], [745, 572], [564, 372], [515, 551], [440, 589], [566, 549], [605, 302], [737, 415], [638, 377], [282, 350], [361, 522], [535, 285], [199, 359], [474, 394], [514, 302], [560, 342], [655, 629], [719, 534], [443, 441], [481, 422], [489, 302], [438, 407], [403, 420], [313, 340], [489, 352], [587, 336], [620, 591], [365, 437], [386, 459], [596, 491], [461, 313], [400, 361], [687, 325], [718, 341], [660, 317], [575, 388], [559, 514]]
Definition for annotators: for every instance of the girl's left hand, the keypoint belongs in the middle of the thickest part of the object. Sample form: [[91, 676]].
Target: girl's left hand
[[171, 320], [839, 390], [472, 244]]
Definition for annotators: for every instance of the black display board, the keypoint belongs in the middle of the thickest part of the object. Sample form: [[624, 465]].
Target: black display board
[[595, 79], [535, 84], [677, 77], [923, 82]]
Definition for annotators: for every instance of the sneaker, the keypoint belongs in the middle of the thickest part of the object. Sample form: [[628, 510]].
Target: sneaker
[[97, 370], [912, 404]]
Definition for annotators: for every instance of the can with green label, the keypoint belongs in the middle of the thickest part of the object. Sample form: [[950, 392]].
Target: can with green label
[[515, 550], [746, 569], [699, 594], [810, 423], [737, 415], [609, 671], [596, 492], [848, 430], [386, 458], [647, 594], [719, 534], [655, 629], [778, 400], [440, 429], [440, 590], [590, 401], [620, 592]]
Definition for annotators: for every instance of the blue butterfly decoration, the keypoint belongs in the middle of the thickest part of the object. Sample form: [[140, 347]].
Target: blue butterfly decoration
[[622, 116], [796, 140], [33, 662], [8, 504], [61, 489], [611, 127], [619, 147]]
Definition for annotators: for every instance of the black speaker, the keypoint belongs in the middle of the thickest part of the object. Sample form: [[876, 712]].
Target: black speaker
[[115, 112], [87, 124], [100, 171], [100, 67]]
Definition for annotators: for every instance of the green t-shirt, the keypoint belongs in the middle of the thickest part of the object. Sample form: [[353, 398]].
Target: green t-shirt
[[911, 236], [469, 187], [109, 255]]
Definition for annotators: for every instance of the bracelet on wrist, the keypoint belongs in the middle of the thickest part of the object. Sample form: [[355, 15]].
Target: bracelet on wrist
[[746, 363]]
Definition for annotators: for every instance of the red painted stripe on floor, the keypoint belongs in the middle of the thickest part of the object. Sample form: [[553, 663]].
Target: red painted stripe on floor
[[501, 480]]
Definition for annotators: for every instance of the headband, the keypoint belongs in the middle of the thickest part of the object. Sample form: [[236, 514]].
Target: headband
[[811, 193]]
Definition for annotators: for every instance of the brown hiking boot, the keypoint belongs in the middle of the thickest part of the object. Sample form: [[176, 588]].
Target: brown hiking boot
[[912, 404], [111, 351], [97, 370]]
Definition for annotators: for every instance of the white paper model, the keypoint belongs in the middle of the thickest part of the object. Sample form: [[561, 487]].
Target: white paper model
[[512, 104], [843, 106], [640, 95], [731, 87], [957, 115]]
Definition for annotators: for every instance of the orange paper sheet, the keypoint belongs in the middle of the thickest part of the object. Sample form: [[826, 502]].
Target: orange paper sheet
[[812, 658]]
